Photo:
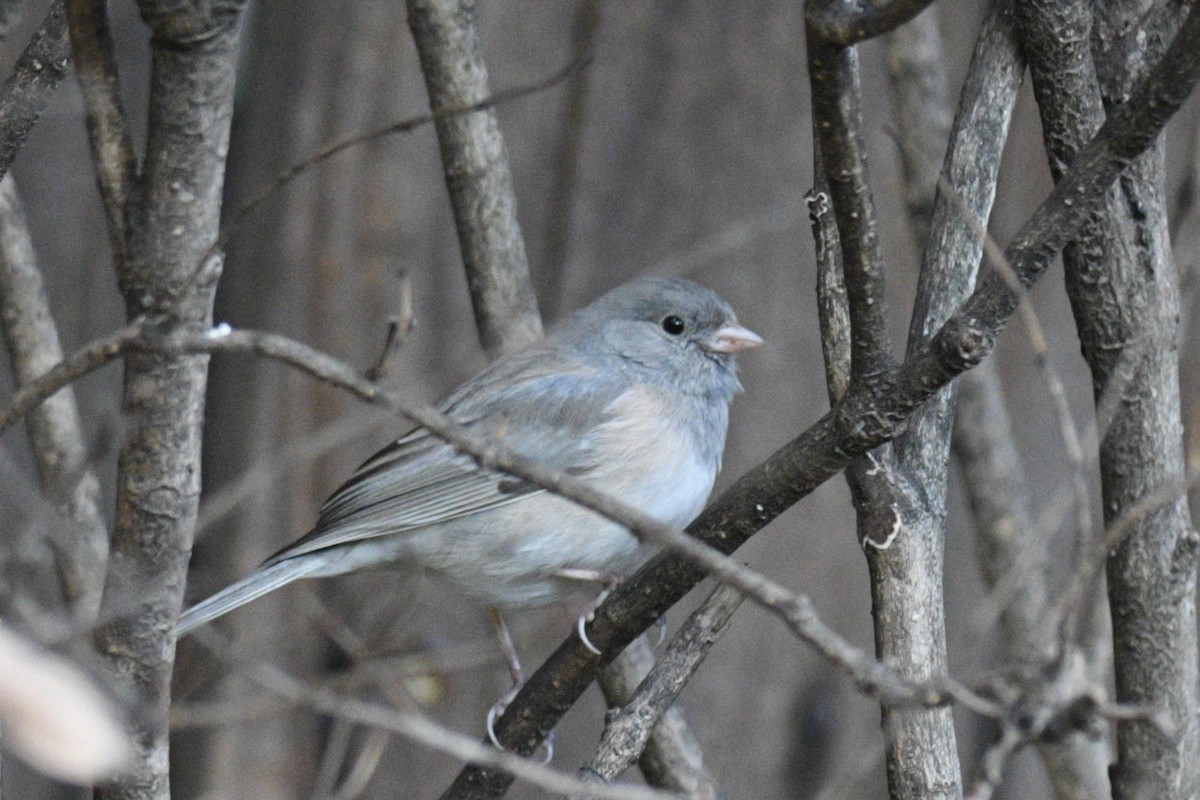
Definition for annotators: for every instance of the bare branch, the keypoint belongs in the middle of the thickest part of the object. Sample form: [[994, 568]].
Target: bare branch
[[28, 88], [108, 132], [89, 359], [844, 24], [400, 325], [629, 726], [478, 175], [901, 498], [420, 730], [173, 216], [837, 125], [1122, 283], [55, 431]]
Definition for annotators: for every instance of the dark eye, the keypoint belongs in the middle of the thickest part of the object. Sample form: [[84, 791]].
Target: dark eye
[[673, 325]]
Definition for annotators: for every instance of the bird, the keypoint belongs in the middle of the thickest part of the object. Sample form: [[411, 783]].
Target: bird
[[631, 394]]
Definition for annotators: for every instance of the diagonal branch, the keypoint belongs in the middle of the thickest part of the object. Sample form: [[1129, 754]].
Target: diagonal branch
[[55, 430], [27, 90], [645, 708]]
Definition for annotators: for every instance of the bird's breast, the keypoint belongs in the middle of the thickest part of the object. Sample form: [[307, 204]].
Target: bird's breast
[[650, 457]]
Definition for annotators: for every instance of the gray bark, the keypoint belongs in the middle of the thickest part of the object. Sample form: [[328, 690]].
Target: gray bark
[[1122, 281], [55, 431], [478, 175], [172, 217]]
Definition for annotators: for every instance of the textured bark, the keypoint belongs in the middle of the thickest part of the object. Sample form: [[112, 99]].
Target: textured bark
[[34, 78], [174, 214], [1122, 282], [643, 723], [478, 175], [902, 525]]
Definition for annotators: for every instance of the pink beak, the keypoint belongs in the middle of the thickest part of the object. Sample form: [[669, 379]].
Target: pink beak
[[733, 338]]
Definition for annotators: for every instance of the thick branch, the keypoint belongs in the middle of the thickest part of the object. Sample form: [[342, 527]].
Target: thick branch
[[478, 175], [173, 217], [1121, 280], [34, 78], [903, 535]]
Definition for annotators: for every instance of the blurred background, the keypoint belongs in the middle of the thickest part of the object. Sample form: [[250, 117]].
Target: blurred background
[[683, 148]]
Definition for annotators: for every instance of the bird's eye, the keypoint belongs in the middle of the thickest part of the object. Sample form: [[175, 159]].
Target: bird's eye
[[673, 324]]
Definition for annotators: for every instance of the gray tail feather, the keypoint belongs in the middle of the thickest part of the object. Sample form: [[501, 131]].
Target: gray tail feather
[[265, 580]]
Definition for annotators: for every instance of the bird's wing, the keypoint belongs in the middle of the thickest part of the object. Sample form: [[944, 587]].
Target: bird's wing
[[542, 405]]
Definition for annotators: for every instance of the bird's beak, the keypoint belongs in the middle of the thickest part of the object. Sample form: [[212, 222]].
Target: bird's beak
[[733, 338]]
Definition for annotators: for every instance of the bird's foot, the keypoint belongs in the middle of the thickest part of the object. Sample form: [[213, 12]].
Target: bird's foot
[[497, 711], [608, 581]]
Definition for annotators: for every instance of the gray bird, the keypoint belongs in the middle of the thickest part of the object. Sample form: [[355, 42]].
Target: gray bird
[[632, 395]]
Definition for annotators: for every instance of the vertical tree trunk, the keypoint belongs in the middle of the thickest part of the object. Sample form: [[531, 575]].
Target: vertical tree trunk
[[172, 221]]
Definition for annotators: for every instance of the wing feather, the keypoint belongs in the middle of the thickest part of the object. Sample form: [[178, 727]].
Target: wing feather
[[542, 403]]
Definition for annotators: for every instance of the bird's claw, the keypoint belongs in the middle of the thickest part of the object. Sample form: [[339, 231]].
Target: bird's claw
[[581, 627], [497, 710], [589, 614]]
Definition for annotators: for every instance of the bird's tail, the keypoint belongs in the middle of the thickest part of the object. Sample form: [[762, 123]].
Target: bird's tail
[[265, 580]]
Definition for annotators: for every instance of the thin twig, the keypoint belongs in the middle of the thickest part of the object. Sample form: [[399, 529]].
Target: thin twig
[[419, 730], [86, 360], [399, 326]]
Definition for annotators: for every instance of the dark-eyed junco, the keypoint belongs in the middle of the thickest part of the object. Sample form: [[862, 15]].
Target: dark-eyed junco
[[632, 395]]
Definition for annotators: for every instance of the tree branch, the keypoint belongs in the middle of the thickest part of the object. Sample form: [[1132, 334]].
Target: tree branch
[[173, 216], [478, 175], [1121, 280], [108, 132], [837, 126], [55, 430], [637, 716], [844, 24], [28, 88]]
